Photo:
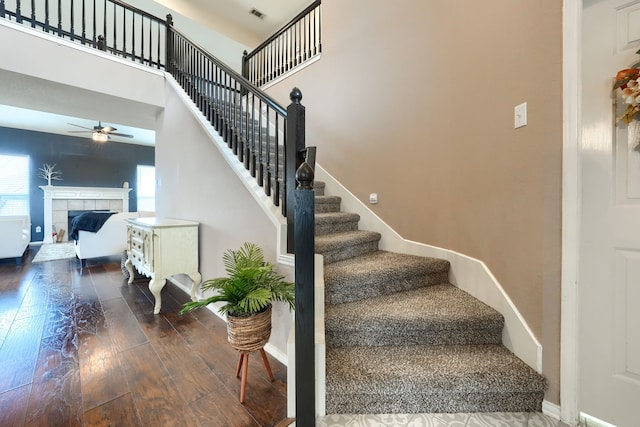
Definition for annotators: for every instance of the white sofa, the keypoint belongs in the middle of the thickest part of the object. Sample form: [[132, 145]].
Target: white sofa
[[110, 240], [16, 235]]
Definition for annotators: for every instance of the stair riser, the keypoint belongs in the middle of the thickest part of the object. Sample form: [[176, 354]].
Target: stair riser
[[354, 291], [382, 337], [434, 403], [327, 207], [335, 227], [346, 252]]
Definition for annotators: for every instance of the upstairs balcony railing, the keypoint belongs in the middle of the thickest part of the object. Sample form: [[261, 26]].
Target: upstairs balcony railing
[[294, 44], [109, 25]]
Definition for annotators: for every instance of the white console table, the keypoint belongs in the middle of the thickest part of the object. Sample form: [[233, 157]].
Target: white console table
[[160, 248]]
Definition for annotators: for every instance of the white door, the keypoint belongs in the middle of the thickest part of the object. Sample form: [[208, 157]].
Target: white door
[[609, 258]]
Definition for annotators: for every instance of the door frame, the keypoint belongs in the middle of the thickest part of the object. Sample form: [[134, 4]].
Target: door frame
[[571, 201]]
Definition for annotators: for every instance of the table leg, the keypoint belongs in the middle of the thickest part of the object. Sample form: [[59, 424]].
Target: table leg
[[196, 279], [129, 266], [155, 286]]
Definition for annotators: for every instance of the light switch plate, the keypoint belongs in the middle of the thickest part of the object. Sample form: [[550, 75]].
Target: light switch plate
[[520, 115]]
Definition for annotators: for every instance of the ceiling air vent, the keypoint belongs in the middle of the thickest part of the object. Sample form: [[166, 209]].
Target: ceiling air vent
[[257, 13]]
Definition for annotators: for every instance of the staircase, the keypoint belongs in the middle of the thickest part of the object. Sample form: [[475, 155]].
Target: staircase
[[401, 339]]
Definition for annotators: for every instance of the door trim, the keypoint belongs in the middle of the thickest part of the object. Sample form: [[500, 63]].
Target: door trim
[[572, 126]]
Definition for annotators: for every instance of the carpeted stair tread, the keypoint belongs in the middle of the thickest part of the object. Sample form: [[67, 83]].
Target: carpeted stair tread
[[380, 273], [335, 222], [434, 315], [340, 246], [409, 379]]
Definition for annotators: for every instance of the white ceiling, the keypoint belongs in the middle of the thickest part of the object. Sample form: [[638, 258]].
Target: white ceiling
[[22, 118], [229, 17], [233, 17]]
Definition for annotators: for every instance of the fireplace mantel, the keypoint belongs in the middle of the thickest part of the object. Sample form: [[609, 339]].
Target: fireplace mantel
[[58, 200]]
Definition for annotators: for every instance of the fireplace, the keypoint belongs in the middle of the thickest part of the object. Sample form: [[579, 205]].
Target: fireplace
[[59, 201]]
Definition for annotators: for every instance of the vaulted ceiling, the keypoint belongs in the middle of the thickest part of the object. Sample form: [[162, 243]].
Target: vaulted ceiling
[[234, 18]]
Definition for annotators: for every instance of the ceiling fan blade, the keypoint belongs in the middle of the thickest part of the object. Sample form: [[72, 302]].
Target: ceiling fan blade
[[124, 135], [83, 127], [108, 129]]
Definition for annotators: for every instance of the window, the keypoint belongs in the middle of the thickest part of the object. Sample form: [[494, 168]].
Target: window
[[14, 185], [146, 188]]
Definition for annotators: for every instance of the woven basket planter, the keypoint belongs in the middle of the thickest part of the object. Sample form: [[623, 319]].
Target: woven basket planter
[[251, 333]]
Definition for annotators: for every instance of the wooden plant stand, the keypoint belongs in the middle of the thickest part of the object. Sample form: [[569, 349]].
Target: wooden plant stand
[[243, 364]]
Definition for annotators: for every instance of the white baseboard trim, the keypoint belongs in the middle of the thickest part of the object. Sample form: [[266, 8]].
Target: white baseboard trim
[[551, 409], [589, 421]]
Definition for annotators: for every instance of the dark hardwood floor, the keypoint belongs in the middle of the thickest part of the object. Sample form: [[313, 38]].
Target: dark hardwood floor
[[83, 348]]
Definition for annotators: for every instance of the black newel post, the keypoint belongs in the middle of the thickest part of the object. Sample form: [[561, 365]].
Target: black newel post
[[245, 65], [295, 138], [168, 60], [304, 312], [245, 72], [2, 10]]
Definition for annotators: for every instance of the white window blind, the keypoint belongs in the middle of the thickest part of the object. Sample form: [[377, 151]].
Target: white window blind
[[146, 188], [14, 185]]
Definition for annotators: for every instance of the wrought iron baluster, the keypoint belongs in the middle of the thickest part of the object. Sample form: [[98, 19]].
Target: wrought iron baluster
[[307, 42], [115, 31], [315, 34], [267, 188], [73, 23], [33, 13], [84, 22], [319, 30], [124, 32], [142, 40], [133, 38], [104, 23], [95, 30], [260, 146], [150, 42], [46, 15]]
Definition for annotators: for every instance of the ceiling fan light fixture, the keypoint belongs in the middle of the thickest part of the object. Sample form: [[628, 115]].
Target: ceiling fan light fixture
[[99, 137]]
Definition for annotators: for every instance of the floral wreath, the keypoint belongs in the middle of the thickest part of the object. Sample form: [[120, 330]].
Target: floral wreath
[[628, 81]]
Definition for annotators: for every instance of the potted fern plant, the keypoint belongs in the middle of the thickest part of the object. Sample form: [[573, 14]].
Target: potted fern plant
[[247, 292]]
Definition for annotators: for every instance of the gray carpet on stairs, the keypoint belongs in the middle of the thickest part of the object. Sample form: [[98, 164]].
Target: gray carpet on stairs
[[421, 379], [432, 315], [401, 339]]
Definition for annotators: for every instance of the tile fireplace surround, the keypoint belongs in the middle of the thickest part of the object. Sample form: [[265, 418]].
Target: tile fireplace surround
[[59, 200]]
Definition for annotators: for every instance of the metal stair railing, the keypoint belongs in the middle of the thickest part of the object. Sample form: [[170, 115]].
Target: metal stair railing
[[109, 25], [294, 44], [266, 137]]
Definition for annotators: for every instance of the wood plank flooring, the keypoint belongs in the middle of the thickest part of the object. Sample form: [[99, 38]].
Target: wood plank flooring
[[83, 348]]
